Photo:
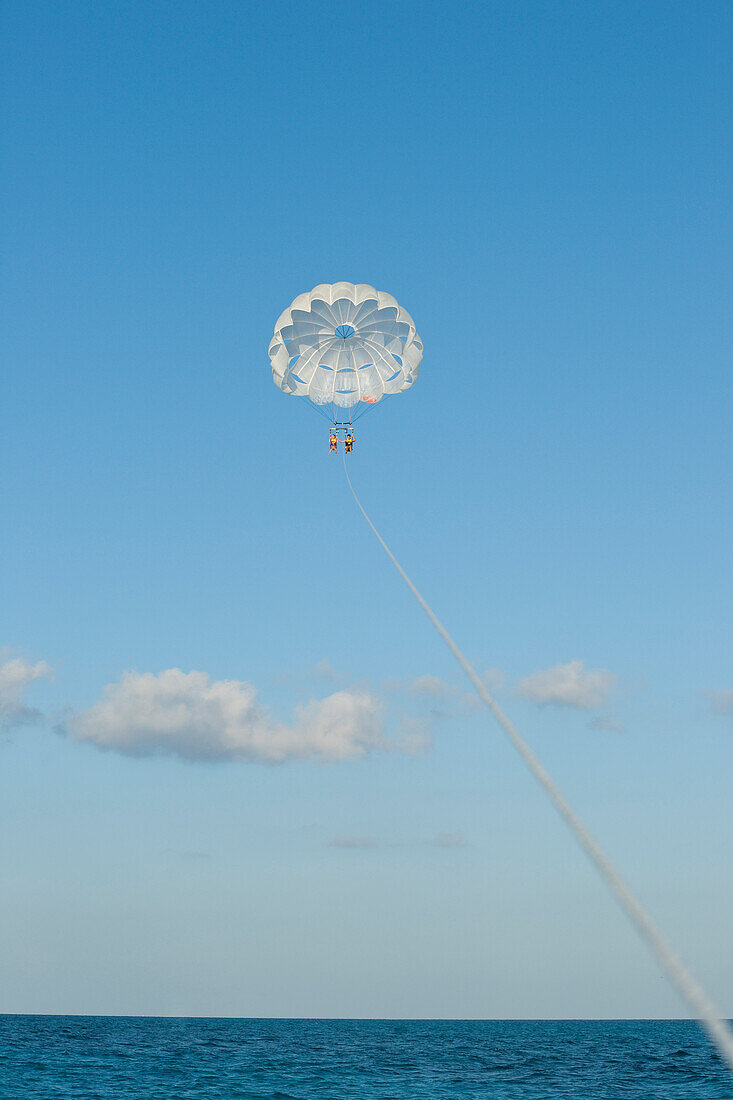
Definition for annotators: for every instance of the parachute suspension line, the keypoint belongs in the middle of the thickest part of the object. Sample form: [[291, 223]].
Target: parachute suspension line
[[366, 409], [707, 1015], [320, 410]]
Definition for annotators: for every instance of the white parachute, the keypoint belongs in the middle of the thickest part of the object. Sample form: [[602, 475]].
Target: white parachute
[[344, 346]]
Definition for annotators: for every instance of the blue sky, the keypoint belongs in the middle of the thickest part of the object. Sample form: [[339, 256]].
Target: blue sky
[[546, 188]]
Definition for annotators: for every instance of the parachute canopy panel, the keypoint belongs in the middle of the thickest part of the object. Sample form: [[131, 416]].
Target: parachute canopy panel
[[345, 346]]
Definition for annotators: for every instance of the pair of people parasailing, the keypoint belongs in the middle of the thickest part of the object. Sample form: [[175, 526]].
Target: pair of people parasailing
[[333, 443]]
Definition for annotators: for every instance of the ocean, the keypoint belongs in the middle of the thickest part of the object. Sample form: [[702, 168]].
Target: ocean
[[121, 1058]]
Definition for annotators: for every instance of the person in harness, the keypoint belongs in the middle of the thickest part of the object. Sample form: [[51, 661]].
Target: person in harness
[[333, 444], [349, 443]]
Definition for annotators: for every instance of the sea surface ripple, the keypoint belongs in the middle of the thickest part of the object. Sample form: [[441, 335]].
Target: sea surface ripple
[[121, 1058]]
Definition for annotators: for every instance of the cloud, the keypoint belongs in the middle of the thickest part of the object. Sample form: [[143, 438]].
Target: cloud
[[606, 723], [448, 840], [721, 701], [440, 840], [425, 687], [568, 686], [188, 715], [16, 674], [432, 687], [353, 842], [494, 678], [415, 737], [325, 671]]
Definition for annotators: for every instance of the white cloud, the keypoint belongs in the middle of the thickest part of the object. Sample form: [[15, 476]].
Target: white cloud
[[354, 842], [440, 840], [16, 674], [448, 840], [190, 716], [325, 671], [432, 687], [415, 737], [494, 679], [721, 701], [568, 686], [606, 723]]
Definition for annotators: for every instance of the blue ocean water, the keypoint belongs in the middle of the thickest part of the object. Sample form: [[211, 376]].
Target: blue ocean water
[[116, 1058]]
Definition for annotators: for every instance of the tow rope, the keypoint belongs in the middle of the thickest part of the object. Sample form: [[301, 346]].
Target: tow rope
[[703, 1008]]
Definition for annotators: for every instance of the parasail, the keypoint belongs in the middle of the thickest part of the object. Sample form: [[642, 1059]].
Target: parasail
[[345, 346]]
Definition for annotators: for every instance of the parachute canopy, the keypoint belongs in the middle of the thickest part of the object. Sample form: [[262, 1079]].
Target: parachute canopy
[[344, 346]]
